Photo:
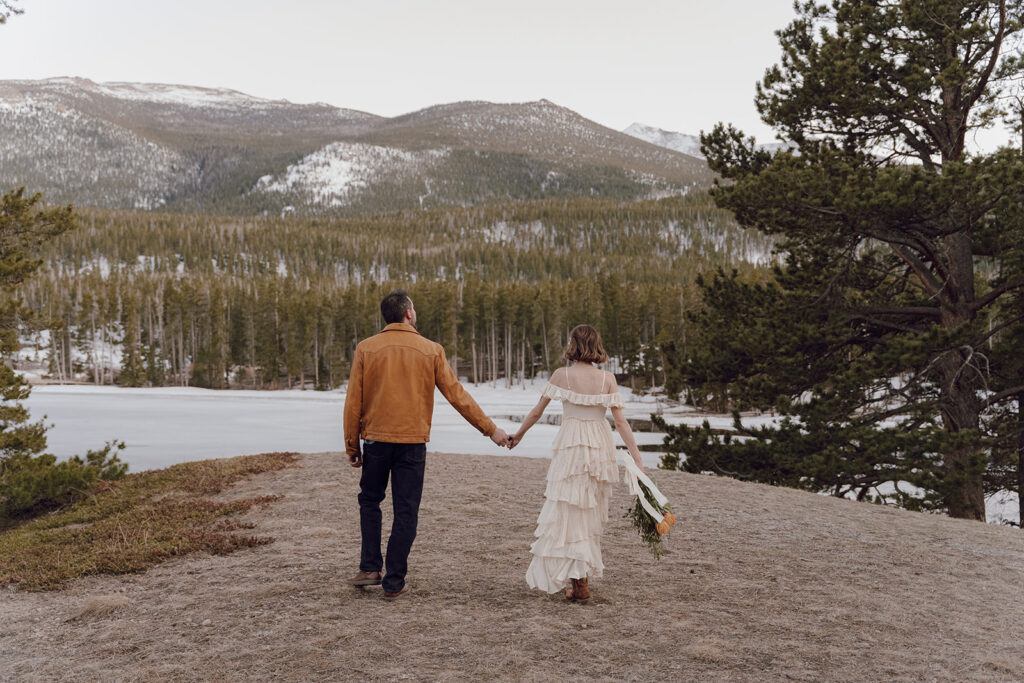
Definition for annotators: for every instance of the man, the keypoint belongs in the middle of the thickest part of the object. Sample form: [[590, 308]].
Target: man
[[390, 403]]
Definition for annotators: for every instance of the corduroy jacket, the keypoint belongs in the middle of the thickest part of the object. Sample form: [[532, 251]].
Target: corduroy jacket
[[391, 389]]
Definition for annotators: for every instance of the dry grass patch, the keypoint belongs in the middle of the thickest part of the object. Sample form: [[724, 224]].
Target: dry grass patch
[[130, 525], [709, 650], [101, 606]]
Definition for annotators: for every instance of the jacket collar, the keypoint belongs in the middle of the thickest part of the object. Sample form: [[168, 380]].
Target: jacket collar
[[400, 327]]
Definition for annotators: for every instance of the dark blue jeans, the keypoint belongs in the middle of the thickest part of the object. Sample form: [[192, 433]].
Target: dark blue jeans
[[404, 463]]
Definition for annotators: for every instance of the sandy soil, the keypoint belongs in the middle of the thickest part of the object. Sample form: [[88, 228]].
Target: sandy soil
[[757, 583]]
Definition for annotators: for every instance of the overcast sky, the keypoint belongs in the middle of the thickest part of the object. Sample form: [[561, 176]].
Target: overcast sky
[[676, 64], [681, 65]]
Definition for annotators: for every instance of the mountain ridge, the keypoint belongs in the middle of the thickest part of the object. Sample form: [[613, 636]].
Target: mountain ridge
[[684, 143], [192, 148]]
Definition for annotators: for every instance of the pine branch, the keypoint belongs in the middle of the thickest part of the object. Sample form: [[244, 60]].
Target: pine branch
[[994, 294], [1003, 395], [997, 42]]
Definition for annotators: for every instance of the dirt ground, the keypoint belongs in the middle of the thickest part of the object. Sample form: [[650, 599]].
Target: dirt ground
[[758, 583]]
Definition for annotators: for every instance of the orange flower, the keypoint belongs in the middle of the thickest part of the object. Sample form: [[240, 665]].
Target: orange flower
[[663, 528], [670, 518]]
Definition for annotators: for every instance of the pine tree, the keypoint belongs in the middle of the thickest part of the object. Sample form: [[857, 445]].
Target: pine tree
[[898, 251], [29, 479]]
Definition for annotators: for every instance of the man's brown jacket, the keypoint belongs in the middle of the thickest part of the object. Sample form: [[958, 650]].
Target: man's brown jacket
[[391, 389]]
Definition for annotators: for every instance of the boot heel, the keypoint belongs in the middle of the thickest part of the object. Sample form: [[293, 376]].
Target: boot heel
[[580, 590]]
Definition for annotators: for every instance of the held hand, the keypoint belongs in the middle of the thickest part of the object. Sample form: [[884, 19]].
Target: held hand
[[499, 437], [513, 441], [355, 460]]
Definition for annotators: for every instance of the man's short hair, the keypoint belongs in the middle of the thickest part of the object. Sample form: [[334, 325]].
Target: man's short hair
[[394, 306]]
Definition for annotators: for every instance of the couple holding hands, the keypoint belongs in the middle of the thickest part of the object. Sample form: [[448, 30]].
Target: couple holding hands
[[389, 406]]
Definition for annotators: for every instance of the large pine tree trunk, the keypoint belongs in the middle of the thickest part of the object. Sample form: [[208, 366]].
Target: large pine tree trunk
[[1020, 461], [960, 377], [966, 497], [1020, 397]]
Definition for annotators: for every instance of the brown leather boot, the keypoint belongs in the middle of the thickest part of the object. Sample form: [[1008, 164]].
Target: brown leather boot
[[580, 590], [365, 579]]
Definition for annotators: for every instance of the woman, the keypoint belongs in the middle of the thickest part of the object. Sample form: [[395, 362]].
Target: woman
[[582, 471]]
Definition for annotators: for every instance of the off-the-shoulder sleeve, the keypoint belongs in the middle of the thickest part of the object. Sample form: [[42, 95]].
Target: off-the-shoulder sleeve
[[615, 400], [561, 394], [553, 392]]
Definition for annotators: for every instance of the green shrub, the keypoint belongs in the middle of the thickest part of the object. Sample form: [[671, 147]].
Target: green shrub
[[33, 484]]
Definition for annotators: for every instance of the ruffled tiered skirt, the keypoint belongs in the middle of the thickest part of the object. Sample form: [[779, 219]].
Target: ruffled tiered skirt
[[579, 484]]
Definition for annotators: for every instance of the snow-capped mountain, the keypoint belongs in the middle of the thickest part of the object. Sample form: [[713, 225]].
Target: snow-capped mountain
[[680, 142], [187, 95], [144, 145]]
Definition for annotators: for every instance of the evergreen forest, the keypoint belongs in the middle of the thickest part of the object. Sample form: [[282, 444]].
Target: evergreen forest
[[151, 299]]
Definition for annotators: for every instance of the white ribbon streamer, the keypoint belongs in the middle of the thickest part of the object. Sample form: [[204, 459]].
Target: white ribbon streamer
[[634, 473]]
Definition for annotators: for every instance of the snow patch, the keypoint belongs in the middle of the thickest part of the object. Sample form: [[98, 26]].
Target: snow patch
[[334, 175]]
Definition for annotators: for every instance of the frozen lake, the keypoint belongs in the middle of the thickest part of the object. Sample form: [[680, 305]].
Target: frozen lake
[[166, 425]]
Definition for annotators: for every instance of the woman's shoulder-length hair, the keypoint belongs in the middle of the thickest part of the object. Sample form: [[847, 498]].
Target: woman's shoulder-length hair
[[585, 345]]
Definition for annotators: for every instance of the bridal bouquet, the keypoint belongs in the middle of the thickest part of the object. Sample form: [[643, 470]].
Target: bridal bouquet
[[651, 514]]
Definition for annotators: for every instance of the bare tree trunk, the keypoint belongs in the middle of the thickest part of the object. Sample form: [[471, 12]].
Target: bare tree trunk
[[547, 353], [252, 344], [494, 355], [92, 350], [522, 360], [472, 341], [69, 365], [159, 305], [101, 353], [57, 351], [649, 354], [508, 355], [181, 353], [455, 332]]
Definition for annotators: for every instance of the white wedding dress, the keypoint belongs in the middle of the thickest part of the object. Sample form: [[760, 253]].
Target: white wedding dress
[[579, 483]]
